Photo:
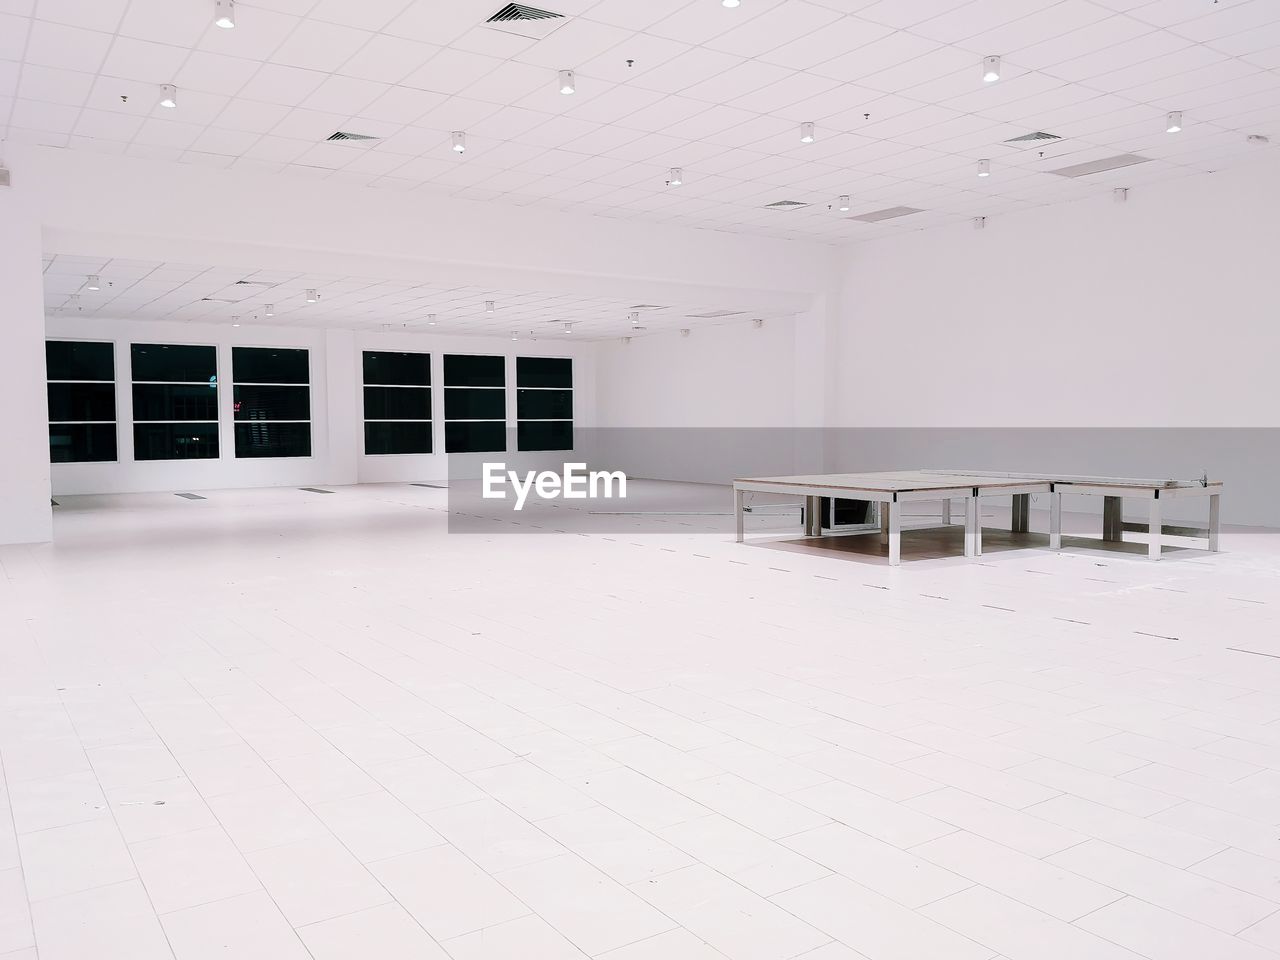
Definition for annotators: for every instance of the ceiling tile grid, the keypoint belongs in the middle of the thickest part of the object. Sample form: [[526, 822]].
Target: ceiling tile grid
[[895, 90]]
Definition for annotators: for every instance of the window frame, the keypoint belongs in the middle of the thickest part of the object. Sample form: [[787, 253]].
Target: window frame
[[115, 399], [444, 398], [428, 388], [571, 419], [236, 423], [217, 407]]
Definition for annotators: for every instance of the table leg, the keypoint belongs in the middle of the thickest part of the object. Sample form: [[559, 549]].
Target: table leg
[[895, 533], [946, 512], [1113, 519], [884, 522], [1215, 522], [971, 526], [812, 517], [1154, 530], [737, 515], [1055, 521], [1021, 513]]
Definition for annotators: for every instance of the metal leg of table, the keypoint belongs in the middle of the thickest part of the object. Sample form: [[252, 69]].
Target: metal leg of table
[[1055, 521], [895, 532], [1021, 513], [1113, 519], [737, 515], [1215, 522], [1154, 531], [971, 527], [812, 516], [946, 512], [884, 523]]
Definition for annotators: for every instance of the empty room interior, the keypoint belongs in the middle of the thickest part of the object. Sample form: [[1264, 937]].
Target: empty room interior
[[639, 480]]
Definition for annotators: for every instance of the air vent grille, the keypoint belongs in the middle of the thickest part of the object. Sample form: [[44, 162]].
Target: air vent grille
[[785, 205], [1100, 166], [889, 213], [1039, 136], [345, 135], [520, 12]]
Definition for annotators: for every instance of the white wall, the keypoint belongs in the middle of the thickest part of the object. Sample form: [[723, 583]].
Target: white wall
[[25, 514], [337, 429]]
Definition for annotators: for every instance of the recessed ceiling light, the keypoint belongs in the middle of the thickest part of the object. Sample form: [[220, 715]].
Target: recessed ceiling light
[[844, 204], [806, 133], [489, 306], [459, 141], [312, 296], [235, 321], [984, 168], [271, 310], [224, 13], [94, 283], [515, 335], [169, 96], [1173, 123], [568, 328], [635, 319], [675, 177], [990, 69], [431, 319], [567, 85]]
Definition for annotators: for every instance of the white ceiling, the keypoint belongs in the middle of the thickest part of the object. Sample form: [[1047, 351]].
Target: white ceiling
[[144, 290], [894, 86]]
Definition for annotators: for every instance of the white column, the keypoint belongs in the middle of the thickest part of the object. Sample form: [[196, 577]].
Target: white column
[[25, 514], [344, 407]]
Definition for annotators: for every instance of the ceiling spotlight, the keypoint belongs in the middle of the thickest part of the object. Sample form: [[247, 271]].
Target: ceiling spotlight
[[431, 319], [567, 85], [757, 323], [806, 133], [568, 328], [94, 284], [169, 96], [271, 310], [1173, 123], [488, 306], [635, 319], [675, 177], [1261, 139], [730, 3], [459, 142], [312, 296], [1120, 194], [235, 321], [990, 69], [515, 335], [844, 204], [984, 168], [684, 331], [979, 223], [224, 13]]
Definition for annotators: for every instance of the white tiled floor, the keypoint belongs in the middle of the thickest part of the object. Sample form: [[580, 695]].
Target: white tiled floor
[[275, 724]]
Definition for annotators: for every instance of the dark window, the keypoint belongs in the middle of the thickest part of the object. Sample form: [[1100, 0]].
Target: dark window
[[175, 441], [391, 436], [82, 401], [79, 360], [397, 402], [269, 365], [82, 442], [544, 403], [175, 401], [271, 396], [475, 404], [397, 369]]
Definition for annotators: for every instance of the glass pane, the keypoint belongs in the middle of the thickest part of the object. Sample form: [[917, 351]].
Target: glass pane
[[404, 369], [75, 360], [82, 401], [272, 403], [475, 437], [174, 363], [163, 401], [175, 441], [465, 371], [544, 372], [397, 403], [82, 442], [269, 365], [545, 435], [462, 404], [273, 439], [390, 437], [544, 404]]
